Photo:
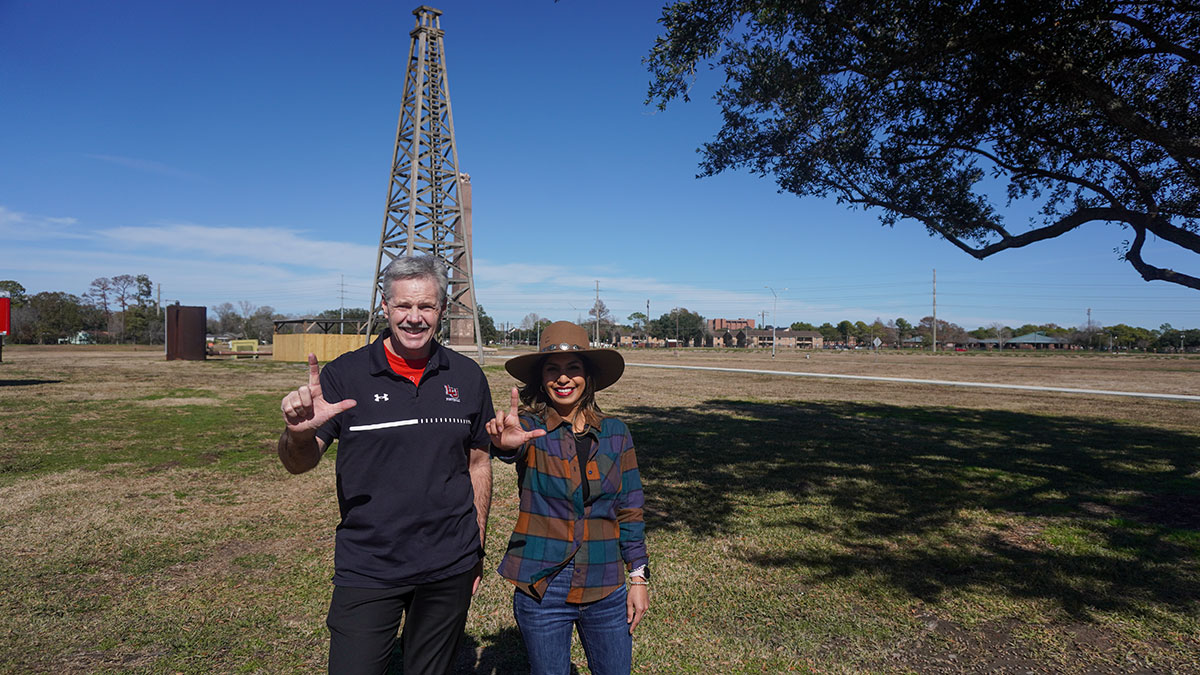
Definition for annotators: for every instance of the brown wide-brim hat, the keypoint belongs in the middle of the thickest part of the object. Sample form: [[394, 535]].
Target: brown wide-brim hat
[[564, 337]]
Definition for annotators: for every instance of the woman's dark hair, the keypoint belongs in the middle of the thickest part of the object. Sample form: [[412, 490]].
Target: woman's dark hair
[[535, 401]]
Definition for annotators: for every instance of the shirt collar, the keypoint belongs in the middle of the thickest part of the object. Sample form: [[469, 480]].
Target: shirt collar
[[554, 420], [379, 362]]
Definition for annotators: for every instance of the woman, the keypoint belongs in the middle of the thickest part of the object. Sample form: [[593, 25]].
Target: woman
[[580, 526]]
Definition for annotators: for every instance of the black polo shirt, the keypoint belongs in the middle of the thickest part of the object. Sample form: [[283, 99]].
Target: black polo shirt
[[407, 505]]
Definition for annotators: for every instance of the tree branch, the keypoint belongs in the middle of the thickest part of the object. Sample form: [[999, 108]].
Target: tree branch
[[1150, 272], [1062, 226], [1164, 45], [1174, 234]]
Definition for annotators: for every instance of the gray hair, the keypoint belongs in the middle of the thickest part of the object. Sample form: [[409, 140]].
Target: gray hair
[[412, 267]]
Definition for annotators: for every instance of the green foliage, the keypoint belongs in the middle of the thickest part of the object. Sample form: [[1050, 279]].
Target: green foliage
[[50, 316], [845, 329], [349, 313], [16, 293], [688, 326], [487, 327], [802, 325], [947, 113], [143, 322], [1173, 340]]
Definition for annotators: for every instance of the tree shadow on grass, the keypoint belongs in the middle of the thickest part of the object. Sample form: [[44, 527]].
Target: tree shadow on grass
[[500, 654], [1092, 514], [26, 383]]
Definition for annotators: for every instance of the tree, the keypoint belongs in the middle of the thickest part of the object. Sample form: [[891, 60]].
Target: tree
[[487, 327], [688, 326], [260, 324], [142, 320], [999, 331], [828, 332], [121, 287], [946, 332], [880, 330], [99, 295], [861, 332], [227, 321], [639, 320], [1082, 110], [350, 314], [50, 316], [803, 325], [904, 330], [530, 327], [600, 315], [845, 329], [16, 293]]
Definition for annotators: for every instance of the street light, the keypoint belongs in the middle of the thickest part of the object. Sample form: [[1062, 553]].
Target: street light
[[774, 317]]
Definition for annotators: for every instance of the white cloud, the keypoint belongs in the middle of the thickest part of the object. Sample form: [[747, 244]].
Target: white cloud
[[261, 245], [15, 225], [145, 165]]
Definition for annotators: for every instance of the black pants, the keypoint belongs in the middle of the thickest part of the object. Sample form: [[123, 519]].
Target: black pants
[[363, 622]]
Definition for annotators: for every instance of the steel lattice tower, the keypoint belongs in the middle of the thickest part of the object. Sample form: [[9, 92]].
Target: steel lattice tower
[[428, 203]]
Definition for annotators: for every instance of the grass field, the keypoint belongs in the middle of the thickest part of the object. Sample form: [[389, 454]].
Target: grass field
[[794, 524]]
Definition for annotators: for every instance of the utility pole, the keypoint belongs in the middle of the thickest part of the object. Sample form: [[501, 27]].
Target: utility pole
[[935, 311], [774, 318], [342, 309], [646, 327], [597, 340]]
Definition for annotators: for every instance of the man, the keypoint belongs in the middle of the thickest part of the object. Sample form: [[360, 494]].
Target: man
[[414, 481]]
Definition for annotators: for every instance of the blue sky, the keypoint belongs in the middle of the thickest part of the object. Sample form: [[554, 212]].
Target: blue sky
[[239, 151]]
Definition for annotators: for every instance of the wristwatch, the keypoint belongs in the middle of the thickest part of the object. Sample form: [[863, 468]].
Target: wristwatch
[[640, 571]]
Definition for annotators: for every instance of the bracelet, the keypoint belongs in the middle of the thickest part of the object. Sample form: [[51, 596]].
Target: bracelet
[[638, 583]]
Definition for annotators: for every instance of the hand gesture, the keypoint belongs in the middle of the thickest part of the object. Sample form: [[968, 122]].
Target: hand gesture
[[506, 431], [305, 409]]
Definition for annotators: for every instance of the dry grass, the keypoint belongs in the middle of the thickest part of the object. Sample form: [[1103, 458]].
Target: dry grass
[[795, 523]]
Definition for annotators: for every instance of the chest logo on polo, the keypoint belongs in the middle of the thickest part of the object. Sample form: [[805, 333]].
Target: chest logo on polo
[[380, 397], [452, 394]]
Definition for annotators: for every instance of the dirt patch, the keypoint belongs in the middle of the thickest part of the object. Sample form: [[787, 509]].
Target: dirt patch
[[999, 647]]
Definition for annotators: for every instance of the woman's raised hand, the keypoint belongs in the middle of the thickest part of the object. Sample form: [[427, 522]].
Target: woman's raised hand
[[506, 432]]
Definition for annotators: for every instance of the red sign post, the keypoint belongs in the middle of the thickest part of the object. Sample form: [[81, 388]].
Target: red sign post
[[5, 304]]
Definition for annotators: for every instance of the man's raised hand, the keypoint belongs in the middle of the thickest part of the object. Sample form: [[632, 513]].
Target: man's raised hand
[[506, 432], [305, 409]]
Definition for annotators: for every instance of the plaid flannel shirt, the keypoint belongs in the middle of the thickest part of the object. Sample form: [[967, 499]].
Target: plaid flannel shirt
[[556, 525]]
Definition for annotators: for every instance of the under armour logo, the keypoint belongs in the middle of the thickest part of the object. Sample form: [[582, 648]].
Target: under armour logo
[[380, 397]]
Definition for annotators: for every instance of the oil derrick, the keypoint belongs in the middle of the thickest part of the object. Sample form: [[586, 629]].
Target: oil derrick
[[428, 202]]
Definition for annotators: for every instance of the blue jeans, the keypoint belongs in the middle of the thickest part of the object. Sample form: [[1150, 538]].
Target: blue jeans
[[546, 628]]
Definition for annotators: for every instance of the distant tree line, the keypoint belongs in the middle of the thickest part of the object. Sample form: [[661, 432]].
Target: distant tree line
[[121, 309], [251, 322], [899, 331], [112, 310]]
